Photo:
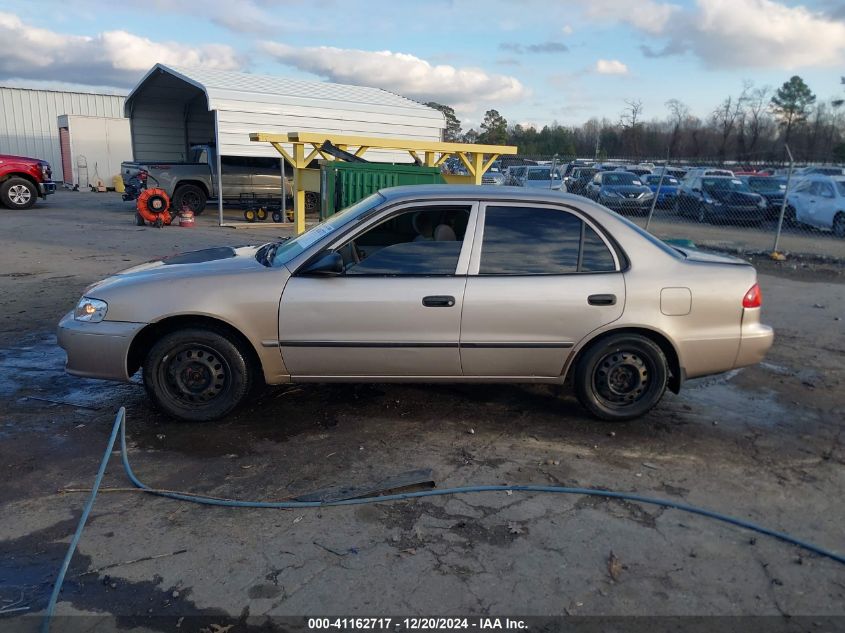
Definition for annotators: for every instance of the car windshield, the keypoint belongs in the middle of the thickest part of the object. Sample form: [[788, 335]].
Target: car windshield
[[840, 185], [723, 184], [620, 178], [539, 174], [655, 180], [767, 184], [286, 251]]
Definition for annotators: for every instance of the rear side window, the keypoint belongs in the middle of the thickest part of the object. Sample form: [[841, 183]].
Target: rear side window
[[530, 241]]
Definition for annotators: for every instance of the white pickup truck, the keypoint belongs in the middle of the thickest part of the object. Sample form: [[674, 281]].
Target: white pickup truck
[[191, 184]]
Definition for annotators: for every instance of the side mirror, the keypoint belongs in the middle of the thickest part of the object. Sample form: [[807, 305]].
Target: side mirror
[[330, 263]]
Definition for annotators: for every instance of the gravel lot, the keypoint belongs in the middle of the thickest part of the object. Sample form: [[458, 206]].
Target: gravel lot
[[763, 443]]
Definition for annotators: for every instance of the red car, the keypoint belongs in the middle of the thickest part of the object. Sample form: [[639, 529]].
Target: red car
[[23, 179]]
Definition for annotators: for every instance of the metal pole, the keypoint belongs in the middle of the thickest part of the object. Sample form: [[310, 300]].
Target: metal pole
[[552, 172], [657, 193], [783, 204], [284, 192], [219, 168]]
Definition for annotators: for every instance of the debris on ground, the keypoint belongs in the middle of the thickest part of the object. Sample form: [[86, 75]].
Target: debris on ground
[[614, 566]]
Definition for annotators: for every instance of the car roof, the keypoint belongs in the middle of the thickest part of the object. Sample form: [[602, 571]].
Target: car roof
[[477, 192]]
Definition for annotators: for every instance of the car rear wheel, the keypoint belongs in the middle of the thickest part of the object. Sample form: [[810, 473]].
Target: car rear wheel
[[621, 377], [838, 226], [197, 374], [18, 193], [190, 198]]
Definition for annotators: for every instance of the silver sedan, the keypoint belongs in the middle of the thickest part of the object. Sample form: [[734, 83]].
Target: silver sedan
[[435, 283]]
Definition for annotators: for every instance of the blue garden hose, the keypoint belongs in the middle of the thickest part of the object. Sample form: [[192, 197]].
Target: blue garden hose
[[120, 425]]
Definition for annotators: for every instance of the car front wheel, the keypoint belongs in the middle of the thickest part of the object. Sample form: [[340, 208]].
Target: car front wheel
[[621, 377], [18, 193], [197, 374]]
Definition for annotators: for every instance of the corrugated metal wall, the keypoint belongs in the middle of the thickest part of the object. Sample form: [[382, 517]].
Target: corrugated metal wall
[[29, 120]]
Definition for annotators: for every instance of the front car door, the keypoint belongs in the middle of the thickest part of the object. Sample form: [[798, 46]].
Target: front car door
[[541, 278], [395, 311]]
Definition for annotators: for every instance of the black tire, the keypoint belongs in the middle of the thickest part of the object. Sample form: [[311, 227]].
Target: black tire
[[790, 217], [18, 193], [261, 214], [312, 201], [249, 215], [838, 227], [621, 377], [197, 374], [191, 197]]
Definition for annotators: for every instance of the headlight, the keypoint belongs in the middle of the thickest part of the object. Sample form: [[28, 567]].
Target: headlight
[[762, 204], [648, 194], [90, 310]]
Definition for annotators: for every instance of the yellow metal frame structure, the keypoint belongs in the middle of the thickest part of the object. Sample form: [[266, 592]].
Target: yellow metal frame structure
[[305, 147]]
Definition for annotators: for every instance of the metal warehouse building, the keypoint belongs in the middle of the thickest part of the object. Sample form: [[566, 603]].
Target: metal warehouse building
[[174, 107], [29, 120]]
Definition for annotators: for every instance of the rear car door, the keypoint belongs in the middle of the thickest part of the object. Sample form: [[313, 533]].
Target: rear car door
[[541, 278], [395, 312]]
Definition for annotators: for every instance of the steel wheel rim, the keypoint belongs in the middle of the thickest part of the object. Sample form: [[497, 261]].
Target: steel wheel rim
[[19, 194], [622, 378], [194, 375]]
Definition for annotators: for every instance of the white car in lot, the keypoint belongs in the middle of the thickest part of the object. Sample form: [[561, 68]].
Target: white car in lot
[[819, 201]]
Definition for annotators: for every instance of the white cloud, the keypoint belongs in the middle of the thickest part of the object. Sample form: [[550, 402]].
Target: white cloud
[[646, 15], [567, 29], [462, 88], [764, 33], [116, 58], [610, 67], [733, 33]]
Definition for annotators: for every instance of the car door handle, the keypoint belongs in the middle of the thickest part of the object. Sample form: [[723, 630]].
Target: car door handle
[[438, 301], [601, 300]]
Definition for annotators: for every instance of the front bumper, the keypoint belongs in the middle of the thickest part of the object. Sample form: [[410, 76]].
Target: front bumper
[[46, 188], [97, 350], [619, 205], [735, 213]]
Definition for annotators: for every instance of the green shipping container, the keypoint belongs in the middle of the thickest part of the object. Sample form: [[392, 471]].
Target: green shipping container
[[343, 184]]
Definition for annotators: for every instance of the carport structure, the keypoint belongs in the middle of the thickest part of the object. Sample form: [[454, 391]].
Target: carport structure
[[174, 107], [304, 147]]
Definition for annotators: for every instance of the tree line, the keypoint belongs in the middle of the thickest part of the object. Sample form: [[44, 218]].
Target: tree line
[[753, 126]]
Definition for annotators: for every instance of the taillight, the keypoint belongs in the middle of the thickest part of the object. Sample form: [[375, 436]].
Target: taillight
[[753, 298]]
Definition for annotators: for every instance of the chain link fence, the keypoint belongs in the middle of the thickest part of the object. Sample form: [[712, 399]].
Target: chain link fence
[[758, 207]]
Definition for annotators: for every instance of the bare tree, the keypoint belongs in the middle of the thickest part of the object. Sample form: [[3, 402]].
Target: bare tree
[[755, 118], [678, 115], [631, 125], [724, 119]]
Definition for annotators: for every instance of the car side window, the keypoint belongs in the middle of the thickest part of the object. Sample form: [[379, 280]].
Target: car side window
[[423, 241], [825, 190], [537, 241]]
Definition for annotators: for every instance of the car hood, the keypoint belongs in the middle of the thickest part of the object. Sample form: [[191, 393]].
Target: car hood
[[626, 189], [207, 262], [665, 188], [739, 198]]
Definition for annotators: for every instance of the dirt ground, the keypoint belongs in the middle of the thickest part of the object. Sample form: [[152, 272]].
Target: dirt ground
[[763, 444]]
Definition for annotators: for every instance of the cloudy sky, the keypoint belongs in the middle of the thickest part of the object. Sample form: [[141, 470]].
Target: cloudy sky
[[536, 61]]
